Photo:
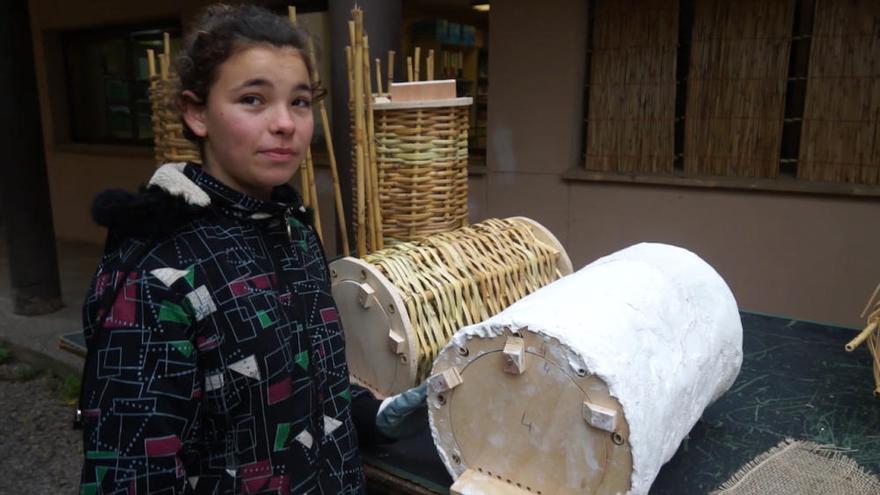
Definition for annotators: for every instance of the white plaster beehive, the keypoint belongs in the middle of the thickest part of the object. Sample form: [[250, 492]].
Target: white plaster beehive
[[590, 384]]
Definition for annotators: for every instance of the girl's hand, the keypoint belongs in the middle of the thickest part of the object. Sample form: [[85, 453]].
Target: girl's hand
[[397, 416]]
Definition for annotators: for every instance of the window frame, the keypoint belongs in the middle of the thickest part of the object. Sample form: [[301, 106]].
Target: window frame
[[68, 40]]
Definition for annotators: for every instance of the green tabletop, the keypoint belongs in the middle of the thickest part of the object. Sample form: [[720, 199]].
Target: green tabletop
[[796, 381]]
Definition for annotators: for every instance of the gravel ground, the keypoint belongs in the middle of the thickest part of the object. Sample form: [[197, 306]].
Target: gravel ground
[[41, 453]]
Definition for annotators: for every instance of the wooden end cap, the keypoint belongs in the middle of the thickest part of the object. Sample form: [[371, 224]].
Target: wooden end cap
[[473, 483]]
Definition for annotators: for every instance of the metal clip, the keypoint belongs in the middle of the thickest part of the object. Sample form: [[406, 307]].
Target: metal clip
[[288, 214]]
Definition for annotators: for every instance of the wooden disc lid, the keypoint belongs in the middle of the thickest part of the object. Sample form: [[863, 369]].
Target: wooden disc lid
[[510, 415], [379, 339]]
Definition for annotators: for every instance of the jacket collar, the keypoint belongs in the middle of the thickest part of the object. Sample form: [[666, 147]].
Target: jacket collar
[[198, 188]]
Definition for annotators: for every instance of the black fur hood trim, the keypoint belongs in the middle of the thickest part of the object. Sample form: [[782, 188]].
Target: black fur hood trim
[[153, 213]]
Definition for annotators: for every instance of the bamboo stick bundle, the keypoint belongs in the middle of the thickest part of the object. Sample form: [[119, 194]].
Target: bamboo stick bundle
[[165, 68], [304, 184], [364, 150], [313, 192], [871, 335], [409, 162], [368, 213], [154, 104], [376, 213], [430, 64], [417, 62], [379, 77], [359, 132], [164, 76], [390, 69], [334, 171], [334, 174], [349, 67], [151, 64], [367, 171], [370, 200], [304, 189]]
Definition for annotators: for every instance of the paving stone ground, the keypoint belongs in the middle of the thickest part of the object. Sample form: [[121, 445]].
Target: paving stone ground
[[39, 451]]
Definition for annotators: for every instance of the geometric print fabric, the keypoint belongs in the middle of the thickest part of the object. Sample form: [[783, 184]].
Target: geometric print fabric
[[219, 365]]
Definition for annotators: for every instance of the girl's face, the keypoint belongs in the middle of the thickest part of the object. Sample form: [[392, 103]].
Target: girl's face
[[257, 122]]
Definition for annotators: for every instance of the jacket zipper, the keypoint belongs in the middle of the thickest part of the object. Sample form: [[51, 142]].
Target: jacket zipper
[[318, 418]]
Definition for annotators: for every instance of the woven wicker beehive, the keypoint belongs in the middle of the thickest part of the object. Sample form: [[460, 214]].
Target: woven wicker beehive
[[169, 144], [422, 156], [588, 385], [400, 305]]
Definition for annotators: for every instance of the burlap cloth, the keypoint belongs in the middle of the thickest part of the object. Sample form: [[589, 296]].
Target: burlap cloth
[[801, 468]]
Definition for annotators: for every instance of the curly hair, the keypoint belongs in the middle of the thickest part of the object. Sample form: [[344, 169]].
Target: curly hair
[[220, 31]]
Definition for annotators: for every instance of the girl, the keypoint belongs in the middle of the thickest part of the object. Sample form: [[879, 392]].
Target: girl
[[216, 360]]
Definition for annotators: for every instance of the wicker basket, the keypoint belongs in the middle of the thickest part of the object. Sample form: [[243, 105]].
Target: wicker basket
[[169, 145], [400, 305], [422, 156]]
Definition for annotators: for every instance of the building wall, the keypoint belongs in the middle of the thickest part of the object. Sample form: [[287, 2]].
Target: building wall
[[805, 256], [78, 172]]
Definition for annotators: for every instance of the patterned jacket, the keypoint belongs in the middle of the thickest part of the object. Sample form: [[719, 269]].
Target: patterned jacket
[[216, 360]]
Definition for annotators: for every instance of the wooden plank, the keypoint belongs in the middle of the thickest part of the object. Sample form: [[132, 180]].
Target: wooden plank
[[454, 102], [422, 90], [472, 482]]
